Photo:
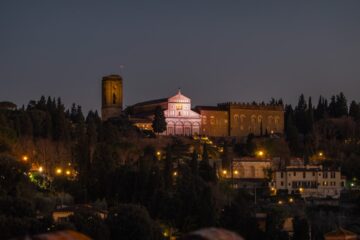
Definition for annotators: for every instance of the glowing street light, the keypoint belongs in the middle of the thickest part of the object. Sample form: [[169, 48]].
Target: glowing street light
[[224, 172], [291, 200], [58, 171], [175, 173], [280, 202], [68, 172], [301, 190], [260, 153], [25, 158], [41, 169], [236, 172]]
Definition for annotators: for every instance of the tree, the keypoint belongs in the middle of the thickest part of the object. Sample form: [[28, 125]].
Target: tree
[[168, 168], [159, 122], [206, 172], [194, 163], [341, 105], [131, 222], [354, 111], [301, 229]]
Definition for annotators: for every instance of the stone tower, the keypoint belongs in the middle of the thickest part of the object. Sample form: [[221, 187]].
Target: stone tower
[[112, 96]]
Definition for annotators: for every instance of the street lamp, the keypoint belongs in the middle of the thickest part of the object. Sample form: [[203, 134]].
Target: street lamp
[[68, 172], [260, 153], [58, 171], [41, 169], [25, 158]]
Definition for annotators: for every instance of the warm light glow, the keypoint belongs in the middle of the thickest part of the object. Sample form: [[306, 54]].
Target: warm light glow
[[236, 172], [272, 132], [41, 169], [321, 154], [58, 171], [175, 173], [291, 200], [25, 158], [280, 202], [301, 189], [260, 153], [158, 153], [224, 172], [272, 189], [68, 172]]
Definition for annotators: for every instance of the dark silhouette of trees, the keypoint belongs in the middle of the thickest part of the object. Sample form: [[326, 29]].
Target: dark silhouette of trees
[[159, 123]]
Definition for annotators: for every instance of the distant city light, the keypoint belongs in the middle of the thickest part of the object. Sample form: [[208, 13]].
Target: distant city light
[[25, 158], [224, 172], [58, 171], [236, 172], [260, 153], [68, 172], [291, 200], [175, 173], [41, 169]]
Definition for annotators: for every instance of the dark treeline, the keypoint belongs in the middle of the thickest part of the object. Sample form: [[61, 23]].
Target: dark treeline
[[149, 191], [329, 126], [174, 190]]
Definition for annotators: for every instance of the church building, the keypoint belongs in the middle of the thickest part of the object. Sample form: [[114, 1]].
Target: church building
[[224, 120], [180, 119]]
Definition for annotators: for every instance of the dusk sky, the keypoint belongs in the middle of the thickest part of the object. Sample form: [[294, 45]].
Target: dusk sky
[[216, 51]]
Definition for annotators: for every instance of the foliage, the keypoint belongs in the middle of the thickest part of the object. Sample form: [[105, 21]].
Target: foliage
[[159, 123]]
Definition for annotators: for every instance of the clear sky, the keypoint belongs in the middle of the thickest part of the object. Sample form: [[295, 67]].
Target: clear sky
[[216, 51]]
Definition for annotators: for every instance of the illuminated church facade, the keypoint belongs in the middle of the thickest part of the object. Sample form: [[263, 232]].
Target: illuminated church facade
[[180, 118], [224, 120]]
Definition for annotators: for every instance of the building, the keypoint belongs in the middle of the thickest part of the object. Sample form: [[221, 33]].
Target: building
[[309, 181], [340, 234], [248, 168], [112, 97], [180, 119], [63, 213], [241, 119]]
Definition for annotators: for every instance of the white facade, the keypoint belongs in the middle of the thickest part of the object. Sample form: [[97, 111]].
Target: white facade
[[180, 119], [309, 181], [250, 168]]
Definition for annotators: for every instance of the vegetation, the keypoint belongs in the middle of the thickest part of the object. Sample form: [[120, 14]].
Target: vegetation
[[150, 187]]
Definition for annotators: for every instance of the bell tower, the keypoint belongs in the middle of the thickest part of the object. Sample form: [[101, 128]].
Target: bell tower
[[112, 96]]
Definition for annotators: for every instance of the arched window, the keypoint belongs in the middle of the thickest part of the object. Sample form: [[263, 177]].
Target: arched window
[[114, 98]]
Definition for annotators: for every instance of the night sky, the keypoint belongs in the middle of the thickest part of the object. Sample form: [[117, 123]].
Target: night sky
[[216, 51]]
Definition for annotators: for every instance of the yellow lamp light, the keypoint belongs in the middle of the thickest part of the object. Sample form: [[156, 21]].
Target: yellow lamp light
[[58, 171]]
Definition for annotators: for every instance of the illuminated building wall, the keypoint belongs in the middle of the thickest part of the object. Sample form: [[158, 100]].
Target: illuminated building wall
[[180, 119], [112, 97]]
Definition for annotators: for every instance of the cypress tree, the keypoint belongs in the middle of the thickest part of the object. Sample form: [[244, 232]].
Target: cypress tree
[[159, 122], [354, 111], [194, 163]]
